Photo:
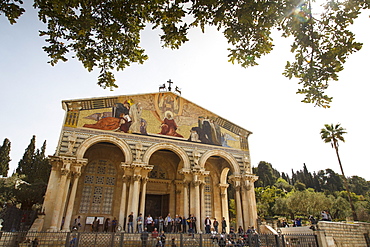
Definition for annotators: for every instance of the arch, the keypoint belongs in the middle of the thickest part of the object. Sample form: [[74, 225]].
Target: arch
[[223, 176], [121, 144], [228, 157], [177, 150]]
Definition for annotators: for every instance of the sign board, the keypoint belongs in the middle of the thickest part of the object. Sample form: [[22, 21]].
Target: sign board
[[90, 220]]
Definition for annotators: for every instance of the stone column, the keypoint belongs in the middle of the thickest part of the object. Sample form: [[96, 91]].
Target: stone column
[[239, 212], [192, 199], [197, 203], [135, 197], [50, 195], [245, 205], [186, 199], [178, 197], [58, 199], [252, 206], [235, 179], [68, 217], [224, 204], [122, 209], [251, 199], [64, 200], [144, 181], [202, 206]]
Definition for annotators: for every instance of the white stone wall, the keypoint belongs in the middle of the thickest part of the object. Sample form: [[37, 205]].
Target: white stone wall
[[345, 234]]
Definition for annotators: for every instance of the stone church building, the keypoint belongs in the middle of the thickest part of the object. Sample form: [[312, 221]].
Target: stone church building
[[156, 154]]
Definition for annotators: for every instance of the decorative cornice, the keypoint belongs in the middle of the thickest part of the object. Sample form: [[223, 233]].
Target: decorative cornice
[[159, 181], [185, 171]]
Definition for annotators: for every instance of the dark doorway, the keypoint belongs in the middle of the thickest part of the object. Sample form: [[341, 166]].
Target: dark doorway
[[157, 205]]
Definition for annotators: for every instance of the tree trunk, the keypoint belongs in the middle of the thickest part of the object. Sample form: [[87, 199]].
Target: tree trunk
[[354, 215]]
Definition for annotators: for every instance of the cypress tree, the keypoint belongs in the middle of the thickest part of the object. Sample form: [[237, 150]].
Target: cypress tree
[[5, 157], [26, 164], [42, 166], [36, 169], [267, 174], [34, 164]]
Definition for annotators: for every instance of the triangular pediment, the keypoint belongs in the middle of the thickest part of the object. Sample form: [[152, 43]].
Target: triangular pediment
[[162, 114]]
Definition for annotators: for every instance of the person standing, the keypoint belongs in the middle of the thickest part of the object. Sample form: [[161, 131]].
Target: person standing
[[168, 223], [149, 222], [106, 225], [144, 237], [160, 223], [207, 224], [139, 221], [194, 222], [215, 225], [223, 225], [184, 221], [179, 223], [176, 224], [114, 224], [95, 224], [130, 224]]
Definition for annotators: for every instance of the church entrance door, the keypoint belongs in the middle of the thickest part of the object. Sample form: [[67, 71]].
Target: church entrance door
[[157, 205]]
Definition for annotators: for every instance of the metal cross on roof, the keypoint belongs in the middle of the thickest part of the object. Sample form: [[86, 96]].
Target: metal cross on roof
[[169, 84], [169, 88]]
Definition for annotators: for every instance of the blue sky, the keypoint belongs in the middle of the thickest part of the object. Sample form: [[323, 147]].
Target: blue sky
[[286, 132]]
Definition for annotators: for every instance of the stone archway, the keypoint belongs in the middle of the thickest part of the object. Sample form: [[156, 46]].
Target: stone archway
[[165, 181], [101, 180], [121, 144], [225, 155], [223, 166], [167, 146]]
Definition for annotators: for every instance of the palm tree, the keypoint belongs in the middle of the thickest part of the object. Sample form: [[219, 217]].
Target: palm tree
[[333, 134]]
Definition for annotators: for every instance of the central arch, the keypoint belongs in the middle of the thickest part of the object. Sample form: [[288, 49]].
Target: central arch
[[168, 146]]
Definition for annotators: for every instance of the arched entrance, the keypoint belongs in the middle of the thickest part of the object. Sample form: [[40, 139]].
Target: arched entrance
[[100, 183], [161, 197]]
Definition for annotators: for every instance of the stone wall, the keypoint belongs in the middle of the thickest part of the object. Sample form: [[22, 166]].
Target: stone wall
[[344, 234]]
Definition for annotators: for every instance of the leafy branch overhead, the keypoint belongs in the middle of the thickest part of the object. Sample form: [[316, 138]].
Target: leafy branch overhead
[[106, 34]]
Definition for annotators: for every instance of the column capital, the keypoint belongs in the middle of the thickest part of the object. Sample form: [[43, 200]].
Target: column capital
[[65, 169], [249, 177], [76, 169], [144, 179], [126, 178], [185, 182], [235, 180], [196, 183], [67, 163], [76, 175], [136, 178], [125, 167], [248, 180], [223, 188]]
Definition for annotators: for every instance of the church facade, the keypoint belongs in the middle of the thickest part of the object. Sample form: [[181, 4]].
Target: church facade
[[156, 154]]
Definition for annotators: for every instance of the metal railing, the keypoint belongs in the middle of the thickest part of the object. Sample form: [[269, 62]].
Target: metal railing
[[89, 239]]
